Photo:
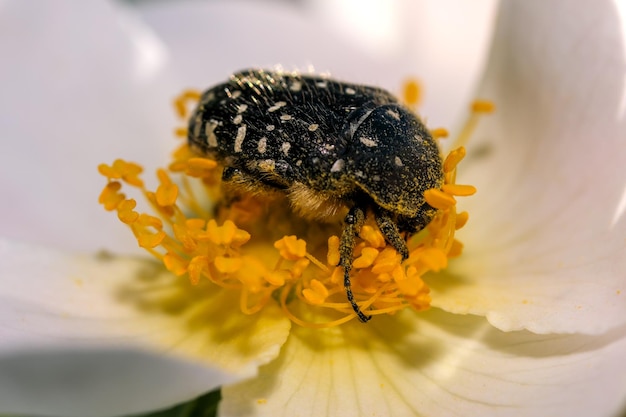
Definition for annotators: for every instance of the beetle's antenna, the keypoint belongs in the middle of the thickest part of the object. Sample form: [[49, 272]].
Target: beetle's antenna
[[353, 222]]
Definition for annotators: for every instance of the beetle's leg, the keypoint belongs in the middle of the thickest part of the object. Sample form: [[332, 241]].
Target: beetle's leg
[[412, 225], [390, 231], [352, 224]]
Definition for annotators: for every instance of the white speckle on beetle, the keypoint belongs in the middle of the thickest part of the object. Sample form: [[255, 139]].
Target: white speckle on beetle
[[359, 174], [350, 91], [376, 177], [285, 148], [369, 142], [398, 161], [285, 117], [269, 128], [242, 108], [321, 84], [338, 165], [393, 114], [313, 127], [277, 106], [235, 94], [209, 131], [241, 135], [296, 86], [329, 146], [237, 119], [262, 145], [355, 124], [299, 162]]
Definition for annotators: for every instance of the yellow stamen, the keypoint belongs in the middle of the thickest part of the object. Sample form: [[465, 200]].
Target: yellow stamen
[[227, 234], [332, 258], [483, 106], [180, 103], [177, 265], [434, 258], [200, 167], [439, 133], [478, 108], [461, 219], [129, 172], [317, 293], [167, 192], [460, 190], [412, 93], [227, 265], [110, 197], [125, 211], [180, 132], [453, 159], [372, 236], [366, 259], [291, 247], [386, 261], [455, 249], [150, 240], [280, 257], [277, 278], [199, 265], [438, 199]]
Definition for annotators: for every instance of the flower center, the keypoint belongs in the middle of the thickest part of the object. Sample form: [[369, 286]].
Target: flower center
[[257, 247]]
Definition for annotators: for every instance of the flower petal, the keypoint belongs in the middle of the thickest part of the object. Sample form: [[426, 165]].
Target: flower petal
[[545, 243], [379, 43], [439, 364], [442, 42], [98, 382], [71, 314], [82, 82]]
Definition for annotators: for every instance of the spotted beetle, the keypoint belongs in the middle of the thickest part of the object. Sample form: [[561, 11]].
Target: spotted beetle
[[333, 148]]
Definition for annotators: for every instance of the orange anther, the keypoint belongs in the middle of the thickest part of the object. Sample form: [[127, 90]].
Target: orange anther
[[438, 199], [291, 248], [453, 159], [459, 190]]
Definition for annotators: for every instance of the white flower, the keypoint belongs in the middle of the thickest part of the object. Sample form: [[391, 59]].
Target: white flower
[[530, 321]]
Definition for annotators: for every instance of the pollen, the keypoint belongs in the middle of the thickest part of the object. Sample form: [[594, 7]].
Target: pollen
[[261, 251]]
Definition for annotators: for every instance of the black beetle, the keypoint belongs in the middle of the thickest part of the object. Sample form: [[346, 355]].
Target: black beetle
[[330, 147]]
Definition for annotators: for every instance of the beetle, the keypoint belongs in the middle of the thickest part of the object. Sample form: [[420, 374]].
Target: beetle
[[332, 148]]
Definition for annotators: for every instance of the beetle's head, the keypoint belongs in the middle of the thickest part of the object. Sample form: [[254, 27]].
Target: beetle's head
[[393, 158]]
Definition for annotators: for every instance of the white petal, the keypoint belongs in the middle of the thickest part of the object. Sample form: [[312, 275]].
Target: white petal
[[72, 314], [442, 42], [373, 42], [98, 382], [436, 365], [82, 84], [208, 41], [545, 244]]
